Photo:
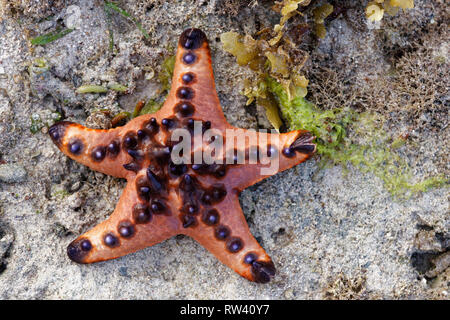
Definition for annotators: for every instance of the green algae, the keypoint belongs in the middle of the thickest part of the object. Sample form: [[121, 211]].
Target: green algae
[[151, 106], [60, 194], [370, 148], [47, 120], [90, 88], [118, 87], [50, 37], [38, 66], [166, 73], [36, 123], [108, 15]]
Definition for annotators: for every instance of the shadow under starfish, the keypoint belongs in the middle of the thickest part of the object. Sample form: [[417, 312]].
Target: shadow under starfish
[[163, 199]]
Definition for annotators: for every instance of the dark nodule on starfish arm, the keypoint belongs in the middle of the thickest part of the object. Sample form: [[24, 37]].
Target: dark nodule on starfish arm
[[234, 245], [263, 271], [188, 221], [288, 152], [272, 151], [188, 183], [113, 148], [141, 134], [152, 126], [192, 39], [78, 249], [206, 125], [214, 194], [185, 93], [188, 78], [156, 183], [211, 217], [161, 154], [222, 232], [126, 229], [217, 170], [141, 213], [189, 58], [99, 153], [76, 146], [177, 169], [136, 154], [144, 192], [190, 208], [132, 166], [130, 140], [250, 258], [157, 207], [185, 109], [303, 143], [111, 240], [168, 123], [58, 130]]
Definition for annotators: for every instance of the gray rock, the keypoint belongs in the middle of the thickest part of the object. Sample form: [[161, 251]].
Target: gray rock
[[72, 19], [12, 173]]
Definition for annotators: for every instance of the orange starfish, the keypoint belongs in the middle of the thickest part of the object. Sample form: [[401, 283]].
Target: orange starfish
[[163, 198]]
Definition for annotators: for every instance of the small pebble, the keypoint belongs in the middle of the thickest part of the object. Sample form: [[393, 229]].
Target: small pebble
[[72, 20], [12, 173]]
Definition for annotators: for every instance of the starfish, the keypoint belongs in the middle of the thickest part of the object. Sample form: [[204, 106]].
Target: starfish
[[163, 198]]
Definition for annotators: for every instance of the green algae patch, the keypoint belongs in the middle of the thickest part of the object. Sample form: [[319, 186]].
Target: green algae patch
[[60, 194], [47, 119], [38, 66], [370, 148], [118, 87], [36, 123], [90, 88], [151, 106], [166, 73], [328, 126], [49, 37]]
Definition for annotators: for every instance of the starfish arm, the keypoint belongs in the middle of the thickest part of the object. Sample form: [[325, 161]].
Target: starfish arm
[[230, 240], [276, 153], [193, 80], [131, 227], [98, 149]]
